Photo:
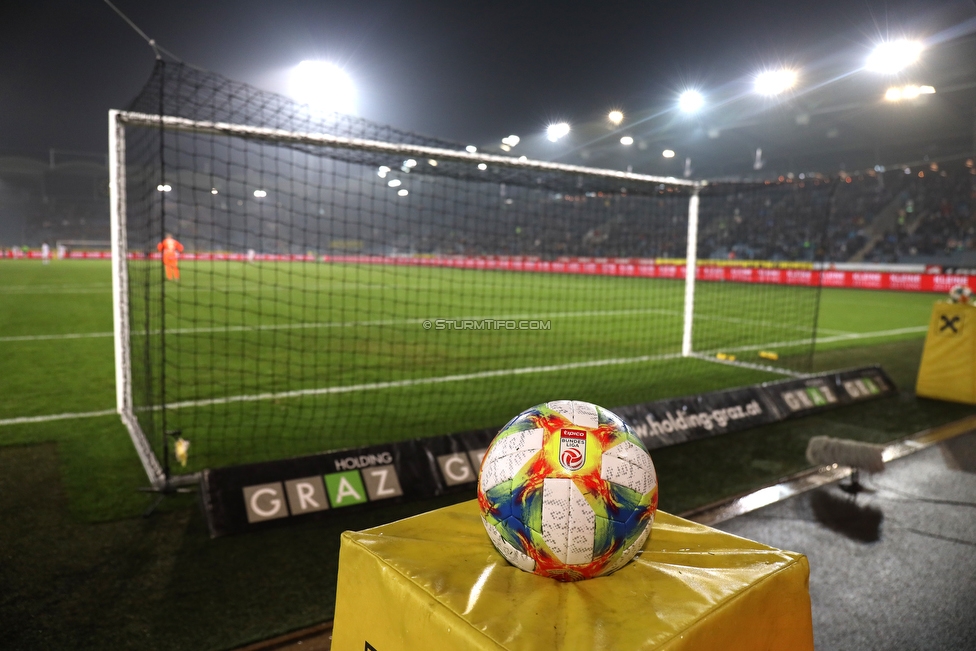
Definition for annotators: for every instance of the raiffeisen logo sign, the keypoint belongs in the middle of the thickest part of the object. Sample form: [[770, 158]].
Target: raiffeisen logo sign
[[317, 493]]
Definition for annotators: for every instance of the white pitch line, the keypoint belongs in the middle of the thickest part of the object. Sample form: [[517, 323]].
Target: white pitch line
[[232, 288], [106, 286], [731, 319], [49, 417], [869, 335], [878, 334], [750, 365], [56, 291], [383, 322], [373, 386], [342, 324], [74, 335]]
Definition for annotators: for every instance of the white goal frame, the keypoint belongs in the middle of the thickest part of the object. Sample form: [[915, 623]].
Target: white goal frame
[[117, 121]]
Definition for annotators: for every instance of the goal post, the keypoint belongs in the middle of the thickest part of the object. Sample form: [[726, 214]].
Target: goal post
[[691, 267], [344, 283], [120, 301]]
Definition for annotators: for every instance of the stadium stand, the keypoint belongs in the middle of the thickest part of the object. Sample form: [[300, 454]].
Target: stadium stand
[[924, 216], [63, 196]]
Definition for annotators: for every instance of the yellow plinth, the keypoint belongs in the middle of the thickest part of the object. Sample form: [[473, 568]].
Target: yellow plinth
[[948, 368], [435, 582]]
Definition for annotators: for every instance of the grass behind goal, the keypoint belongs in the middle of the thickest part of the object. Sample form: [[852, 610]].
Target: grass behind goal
[[303, 376], [56, 335]]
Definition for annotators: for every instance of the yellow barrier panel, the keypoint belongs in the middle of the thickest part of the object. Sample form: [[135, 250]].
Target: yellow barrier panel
[[435, 582], [948, 369]]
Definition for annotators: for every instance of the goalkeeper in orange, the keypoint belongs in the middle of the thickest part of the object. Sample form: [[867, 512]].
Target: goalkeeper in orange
[[171, 255]]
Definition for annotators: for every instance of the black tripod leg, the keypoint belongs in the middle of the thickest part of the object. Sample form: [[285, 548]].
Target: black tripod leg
[[152, 507]]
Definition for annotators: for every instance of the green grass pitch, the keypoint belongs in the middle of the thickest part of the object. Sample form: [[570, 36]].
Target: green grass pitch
[[276, 359], [80, 568]]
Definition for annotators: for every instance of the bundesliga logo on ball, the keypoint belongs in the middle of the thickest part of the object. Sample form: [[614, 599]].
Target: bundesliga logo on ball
[[567, 491]]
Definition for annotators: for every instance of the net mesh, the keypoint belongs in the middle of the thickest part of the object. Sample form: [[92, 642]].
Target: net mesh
[[332, 297]]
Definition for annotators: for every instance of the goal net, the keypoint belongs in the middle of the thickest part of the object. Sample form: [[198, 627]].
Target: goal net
[[344, 283]]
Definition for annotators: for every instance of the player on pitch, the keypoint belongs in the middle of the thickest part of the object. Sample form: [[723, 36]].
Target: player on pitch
[[171, 250]]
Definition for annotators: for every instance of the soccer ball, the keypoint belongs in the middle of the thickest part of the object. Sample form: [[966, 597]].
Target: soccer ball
[[567, 491], [960, 294]]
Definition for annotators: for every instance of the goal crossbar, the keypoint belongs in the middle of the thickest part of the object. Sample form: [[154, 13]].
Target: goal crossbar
[[377, 146]]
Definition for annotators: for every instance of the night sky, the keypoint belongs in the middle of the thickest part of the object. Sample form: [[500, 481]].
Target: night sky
[[471, 72]]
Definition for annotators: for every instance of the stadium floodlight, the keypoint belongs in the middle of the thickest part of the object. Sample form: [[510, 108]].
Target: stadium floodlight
[[774, 82], [615, 116], [323, 86], [393, 183], [260, 194], [627, 140], [690, 101], [164, 187], [213, 191], [403, 192], [471, 149], [893, 56], [557, 130], [668, 153], [911, 91]]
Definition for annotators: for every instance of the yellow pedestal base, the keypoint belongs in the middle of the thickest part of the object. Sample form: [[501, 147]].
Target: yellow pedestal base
[[948, 368], [435, 582]]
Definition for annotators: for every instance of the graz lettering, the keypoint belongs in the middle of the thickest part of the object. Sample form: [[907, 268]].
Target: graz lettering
[[317, 493]]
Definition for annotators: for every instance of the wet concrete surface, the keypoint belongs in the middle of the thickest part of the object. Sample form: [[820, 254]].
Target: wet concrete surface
[[893, 567]]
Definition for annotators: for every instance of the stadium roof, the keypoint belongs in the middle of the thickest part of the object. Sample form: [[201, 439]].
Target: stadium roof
[[478, 73]]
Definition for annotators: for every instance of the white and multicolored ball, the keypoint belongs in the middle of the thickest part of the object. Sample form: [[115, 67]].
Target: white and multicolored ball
[[961, 294], [567, 491]]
